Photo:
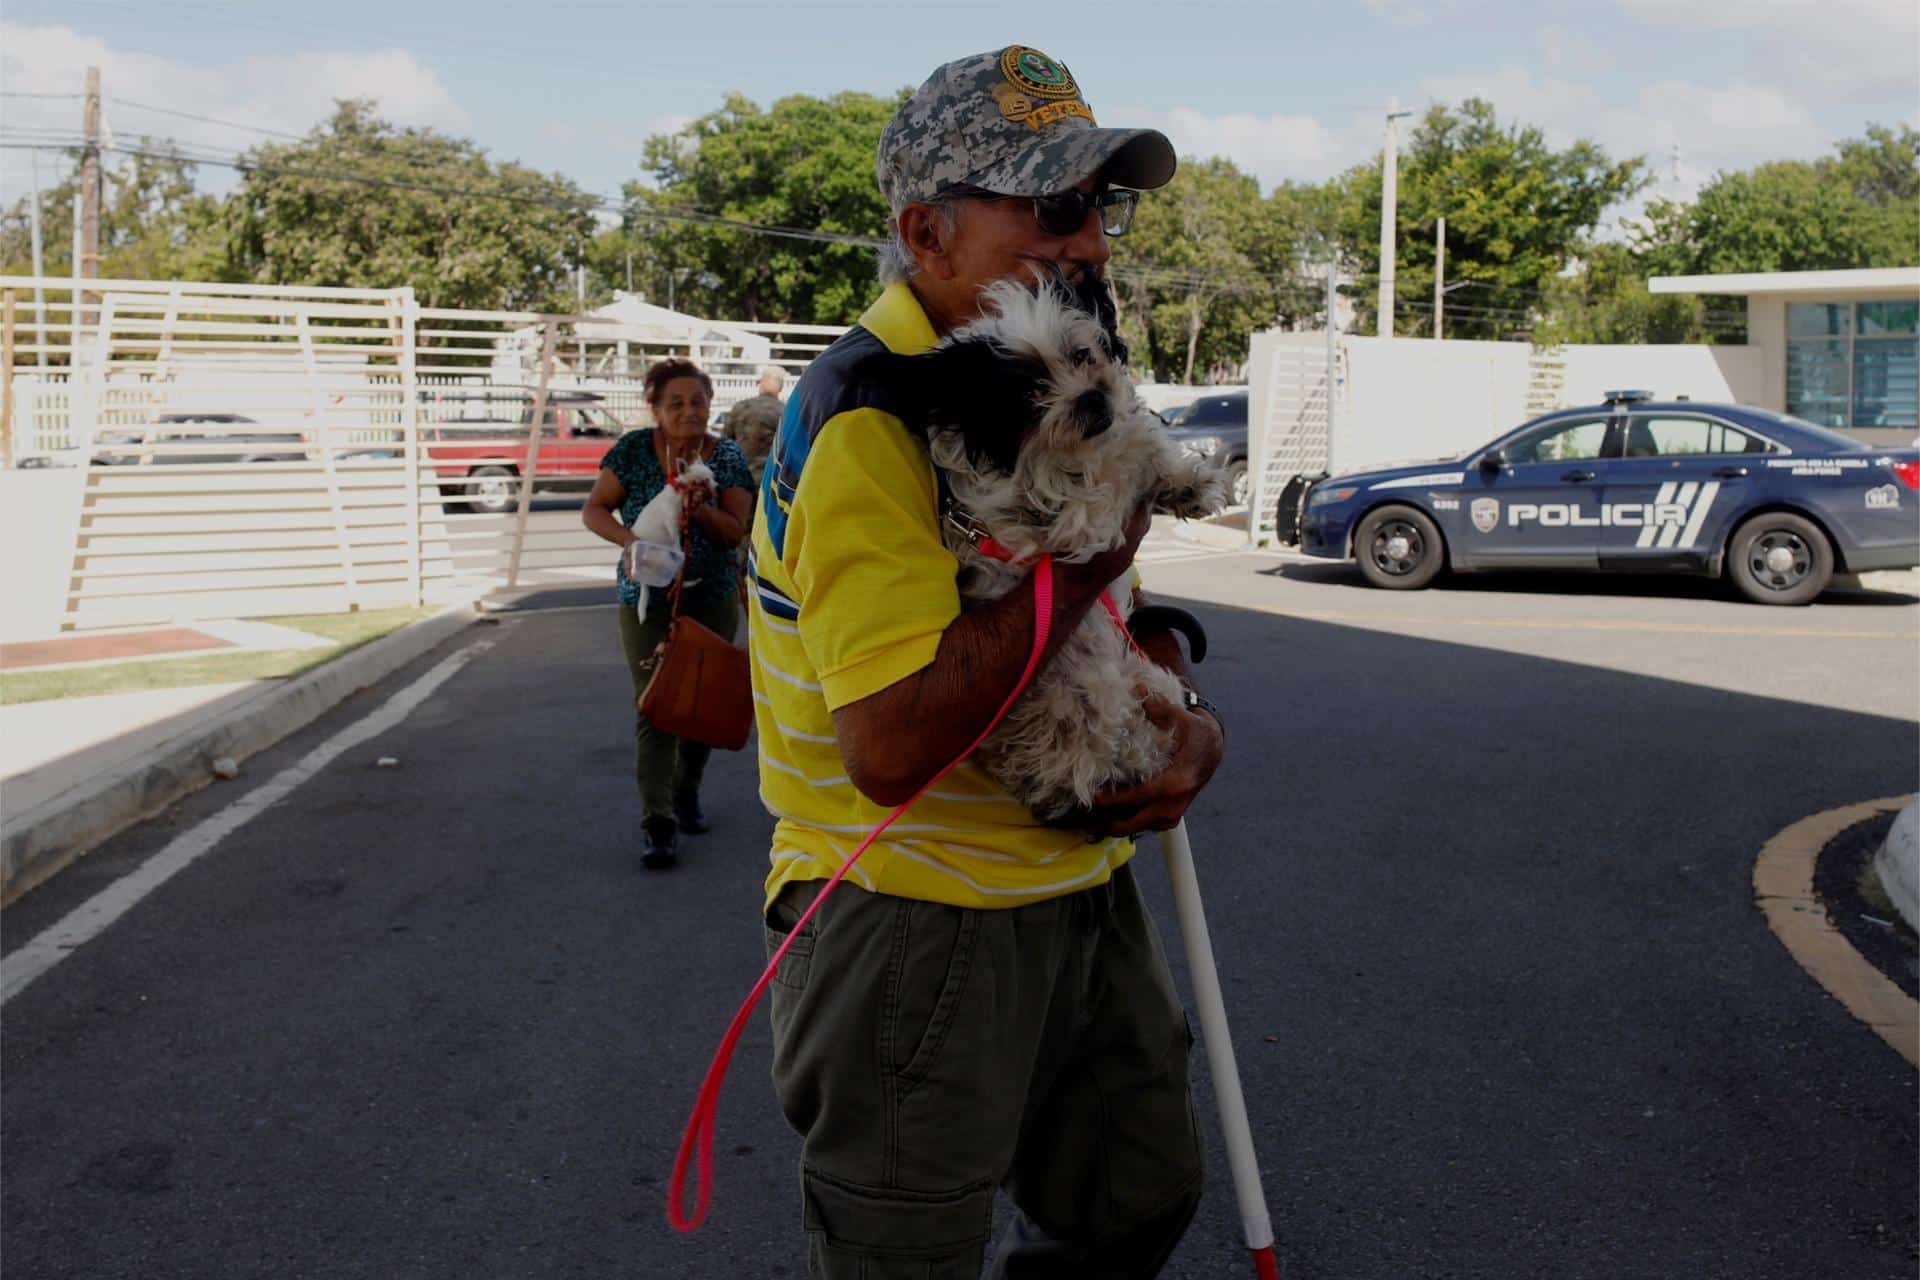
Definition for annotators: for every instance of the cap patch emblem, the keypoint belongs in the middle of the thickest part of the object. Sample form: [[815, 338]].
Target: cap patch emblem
[[1035, 74]]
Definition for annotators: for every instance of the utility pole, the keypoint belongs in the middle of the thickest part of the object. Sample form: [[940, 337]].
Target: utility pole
[[39, 267], [1439, 273], [90, 181], [1389, 199]]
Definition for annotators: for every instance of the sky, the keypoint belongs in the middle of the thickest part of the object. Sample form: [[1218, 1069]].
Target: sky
[[1288, 91]]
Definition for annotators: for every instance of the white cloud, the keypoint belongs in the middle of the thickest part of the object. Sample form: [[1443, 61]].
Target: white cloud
[[289, 94], [1859, 46], [1274, 148], [1716, 128]]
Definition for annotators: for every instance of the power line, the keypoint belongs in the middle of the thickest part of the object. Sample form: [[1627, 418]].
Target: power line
[[74, 97], [188, 115]]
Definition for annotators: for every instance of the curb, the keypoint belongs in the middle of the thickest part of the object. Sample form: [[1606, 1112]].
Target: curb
[[1205, 534], [57, 832], [1783, 890]]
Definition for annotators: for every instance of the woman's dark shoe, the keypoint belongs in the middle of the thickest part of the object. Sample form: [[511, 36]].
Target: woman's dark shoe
[[659, 853], [692, 820]]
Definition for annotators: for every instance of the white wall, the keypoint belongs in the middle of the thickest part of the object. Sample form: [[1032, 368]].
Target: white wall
[[1767, 334], [1410, 400], [39, 511], [1735, 374]]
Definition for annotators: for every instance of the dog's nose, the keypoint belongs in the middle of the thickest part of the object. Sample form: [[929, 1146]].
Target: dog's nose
[[1094, 412]]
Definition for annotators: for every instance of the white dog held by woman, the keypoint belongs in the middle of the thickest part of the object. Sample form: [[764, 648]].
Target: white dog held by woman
[[1046, 449], [658, 533]]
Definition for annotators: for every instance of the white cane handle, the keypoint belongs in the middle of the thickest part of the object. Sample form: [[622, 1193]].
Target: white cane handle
[[1219, 1041]]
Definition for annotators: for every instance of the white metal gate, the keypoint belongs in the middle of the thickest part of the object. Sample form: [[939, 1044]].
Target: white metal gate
[[254, 450], [1296, 395]]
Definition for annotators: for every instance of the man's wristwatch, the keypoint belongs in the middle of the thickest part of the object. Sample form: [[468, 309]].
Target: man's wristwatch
[[1192, 701]]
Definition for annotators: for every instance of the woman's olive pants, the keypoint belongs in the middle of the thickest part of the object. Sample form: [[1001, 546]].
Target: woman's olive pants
[[666, 766]]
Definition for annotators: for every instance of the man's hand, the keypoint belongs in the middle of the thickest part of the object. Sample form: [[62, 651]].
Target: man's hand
[[1158, 804], [1083, 583]]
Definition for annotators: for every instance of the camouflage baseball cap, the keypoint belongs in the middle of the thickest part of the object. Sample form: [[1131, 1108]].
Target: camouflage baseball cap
[[1013, 122]]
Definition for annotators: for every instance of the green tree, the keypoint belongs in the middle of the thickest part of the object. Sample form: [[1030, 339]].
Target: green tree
[[1606, 300], [805, 163], [153, 224], [1207, 262], [361, 203], [1857, 208], [1517, 212]]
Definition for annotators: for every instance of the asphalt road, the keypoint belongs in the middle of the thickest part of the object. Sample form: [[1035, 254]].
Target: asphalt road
[[1479, 869]]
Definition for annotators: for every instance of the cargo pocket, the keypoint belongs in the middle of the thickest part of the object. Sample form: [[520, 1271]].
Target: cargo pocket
[[882, 1234]]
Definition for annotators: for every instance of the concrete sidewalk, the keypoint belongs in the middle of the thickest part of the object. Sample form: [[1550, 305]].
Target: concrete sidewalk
[[76, 770]]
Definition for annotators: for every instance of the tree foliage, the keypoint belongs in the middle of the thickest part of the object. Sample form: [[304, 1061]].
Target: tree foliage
[[361, 203], [804, 162], [153, 224], [1208, 261], [1517, 213], [1857, 208]]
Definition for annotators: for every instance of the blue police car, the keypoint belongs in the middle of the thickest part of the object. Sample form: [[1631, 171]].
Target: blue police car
[[1633, 485]]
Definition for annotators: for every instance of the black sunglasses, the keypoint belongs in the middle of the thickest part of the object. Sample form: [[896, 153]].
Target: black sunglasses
[[1065, 213]]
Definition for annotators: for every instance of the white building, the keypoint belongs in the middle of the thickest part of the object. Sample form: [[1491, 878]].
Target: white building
[[1840, 348]]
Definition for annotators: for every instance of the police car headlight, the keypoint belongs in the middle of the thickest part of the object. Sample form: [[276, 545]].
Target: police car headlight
[[1201, 446], [1327, 497]]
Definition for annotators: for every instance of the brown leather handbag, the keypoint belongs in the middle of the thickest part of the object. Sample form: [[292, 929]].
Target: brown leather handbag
[[702, 688]]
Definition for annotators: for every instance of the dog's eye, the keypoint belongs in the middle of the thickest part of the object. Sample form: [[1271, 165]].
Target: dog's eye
[[1081, 355]]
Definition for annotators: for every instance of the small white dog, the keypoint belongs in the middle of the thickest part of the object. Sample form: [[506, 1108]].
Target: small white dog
[[1046, 449], [659, 524]]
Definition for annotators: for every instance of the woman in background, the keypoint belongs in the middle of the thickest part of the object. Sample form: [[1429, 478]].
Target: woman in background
[[633, 471]]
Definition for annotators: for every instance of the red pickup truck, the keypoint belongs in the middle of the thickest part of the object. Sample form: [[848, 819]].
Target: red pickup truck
[[479, 450]]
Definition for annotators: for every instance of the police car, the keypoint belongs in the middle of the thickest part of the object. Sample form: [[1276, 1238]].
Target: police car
[[1777, 504]]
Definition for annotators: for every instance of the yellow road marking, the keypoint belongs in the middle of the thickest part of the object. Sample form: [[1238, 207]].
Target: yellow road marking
[[1783, 887]]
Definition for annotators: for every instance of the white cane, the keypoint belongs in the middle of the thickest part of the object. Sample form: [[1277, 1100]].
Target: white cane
[[1226, 1074]]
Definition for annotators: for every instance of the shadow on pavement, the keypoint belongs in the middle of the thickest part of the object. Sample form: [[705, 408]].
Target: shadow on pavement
[[1503, 1003], [1645, 586]]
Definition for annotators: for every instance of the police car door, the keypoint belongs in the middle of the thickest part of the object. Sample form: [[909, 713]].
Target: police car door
[[1668, 497], [1539, 508]]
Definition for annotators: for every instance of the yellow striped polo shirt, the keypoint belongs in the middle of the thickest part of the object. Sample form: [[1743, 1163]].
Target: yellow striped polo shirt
[[852, 589]]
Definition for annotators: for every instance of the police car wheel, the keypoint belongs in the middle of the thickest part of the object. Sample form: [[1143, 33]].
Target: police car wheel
[[1399, 548], [1778, 558]]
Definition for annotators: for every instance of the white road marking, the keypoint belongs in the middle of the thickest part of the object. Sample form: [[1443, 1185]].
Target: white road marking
[[103, 908]]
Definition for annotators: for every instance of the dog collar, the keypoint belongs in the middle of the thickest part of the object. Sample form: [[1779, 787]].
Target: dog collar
[[979, 539]]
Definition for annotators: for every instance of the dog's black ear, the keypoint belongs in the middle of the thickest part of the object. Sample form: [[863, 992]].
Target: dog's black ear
[[980, 392], [1091, 295]]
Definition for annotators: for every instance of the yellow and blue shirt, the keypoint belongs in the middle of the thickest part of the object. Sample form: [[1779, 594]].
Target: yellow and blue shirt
[[851, 590]]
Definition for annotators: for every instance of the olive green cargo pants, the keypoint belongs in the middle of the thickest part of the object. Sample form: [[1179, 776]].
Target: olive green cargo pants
[[928, 1054]]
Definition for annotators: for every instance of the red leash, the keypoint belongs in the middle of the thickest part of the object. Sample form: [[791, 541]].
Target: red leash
[[699, 1134]]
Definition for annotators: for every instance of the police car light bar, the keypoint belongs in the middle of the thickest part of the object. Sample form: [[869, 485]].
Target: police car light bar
[[1628, 397]]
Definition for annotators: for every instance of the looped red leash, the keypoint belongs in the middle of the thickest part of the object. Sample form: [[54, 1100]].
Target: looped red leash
[[698, 1137]]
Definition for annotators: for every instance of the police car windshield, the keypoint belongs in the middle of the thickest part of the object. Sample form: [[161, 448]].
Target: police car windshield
[[1825, 436]]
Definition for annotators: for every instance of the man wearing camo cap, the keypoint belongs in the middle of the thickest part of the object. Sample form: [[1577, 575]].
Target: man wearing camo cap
[[984, 1003]]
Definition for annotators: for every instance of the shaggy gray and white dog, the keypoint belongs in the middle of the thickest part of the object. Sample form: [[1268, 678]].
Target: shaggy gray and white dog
[[1045, 448]]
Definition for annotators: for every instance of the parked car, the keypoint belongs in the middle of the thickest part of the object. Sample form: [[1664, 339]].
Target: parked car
[[1216, 426], [220, 437], [479, 450], [1776, 504]]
